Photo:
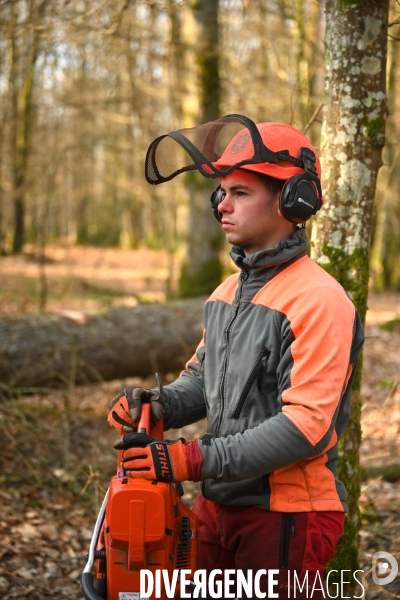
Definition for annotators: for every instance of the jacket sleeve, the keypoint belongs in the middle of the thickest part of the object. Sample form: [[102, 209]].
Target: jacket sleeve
[[319, 353], [184, 398]]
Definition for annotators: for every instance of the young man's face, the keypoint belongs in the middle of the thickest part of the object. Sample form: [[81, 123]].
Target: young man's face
[[249, 213]]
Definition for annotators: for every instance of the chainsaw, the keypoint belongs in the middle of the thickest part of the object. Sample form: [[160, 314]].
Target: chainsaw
[[141, 524]]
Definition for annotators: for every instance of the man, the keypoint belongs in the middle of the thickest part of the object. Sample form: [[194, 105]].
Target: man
[[273, 372]]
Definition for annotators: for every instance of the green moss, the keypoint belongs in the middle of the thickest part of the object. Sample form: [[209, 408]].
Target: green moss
[[393, 325], [203, 282], [370, 516], [346, 556], [351, 271], [375, 131], [388, 383], [343, 4]]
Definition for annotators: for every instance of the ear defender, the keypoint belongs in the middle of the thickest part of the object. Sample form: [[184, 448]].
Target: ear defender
[[300, 198], [216, 198]]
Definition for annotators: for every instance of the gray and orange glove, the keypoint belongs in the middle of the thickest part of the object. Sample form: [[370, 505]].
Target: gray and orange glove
[[125, 409], [146, 457]]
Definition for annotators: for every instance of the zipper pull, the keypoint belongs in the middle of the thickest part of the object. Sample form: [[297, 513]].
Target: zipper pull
[[260, 373], [243, 275]]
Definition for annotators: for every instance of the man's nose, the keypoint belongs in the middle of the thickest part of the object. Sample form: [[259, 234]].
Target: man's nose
[[225, 205]]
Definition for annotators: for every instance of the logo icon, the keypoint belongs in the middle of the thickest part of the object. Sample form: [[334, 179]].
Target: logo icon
[[240, 143], [384, 568]]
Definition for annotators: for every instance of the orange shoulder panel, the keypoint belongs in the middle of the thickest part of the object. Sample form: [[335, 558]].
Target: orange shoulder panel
[[226, 291], [321, 318]]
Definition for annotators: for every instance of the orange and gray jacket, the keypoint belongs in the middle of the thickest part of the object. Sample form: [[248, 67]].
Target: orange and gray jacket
[[273, 375]]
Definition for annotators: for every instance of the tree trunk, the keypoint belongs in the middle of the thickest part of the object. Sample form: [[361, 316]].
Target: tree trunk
[[56, 351], [352, 139], [23, 129], [385, 270], [201, 269]]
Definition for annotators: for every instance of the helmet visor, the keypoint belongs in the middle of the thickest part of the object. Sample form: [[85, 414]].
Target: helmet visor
[[234, 137]]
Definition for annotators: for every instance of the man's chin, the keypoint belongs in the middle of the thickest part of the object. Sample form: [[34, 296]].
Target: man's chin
[[233, 239]]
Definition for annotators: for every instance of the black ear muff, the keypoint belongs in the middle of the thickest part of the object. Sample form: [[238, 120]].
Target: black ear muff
[[300, 198], [216, 198]]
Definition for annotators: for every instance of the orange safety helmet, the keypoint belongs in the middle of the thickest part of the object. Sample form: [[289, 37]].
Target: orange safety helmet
[[277, 136]]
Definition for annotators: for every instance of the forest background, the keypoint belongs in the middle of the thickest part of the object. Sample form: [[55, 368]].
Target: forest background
[[84, 88]]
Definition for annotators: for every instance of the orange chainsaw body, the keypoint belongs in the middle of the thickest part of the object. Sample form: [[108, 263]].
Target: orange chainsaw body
[[146, 526]]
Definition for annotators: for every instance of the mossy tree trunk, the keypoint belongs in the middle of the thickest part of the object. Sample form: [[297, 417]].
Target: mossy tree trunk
[[353, 135], [202, 269]]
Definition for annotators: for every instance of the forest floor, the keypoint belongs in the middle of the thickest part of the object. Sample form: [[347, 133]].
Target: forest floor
[[56, 455]]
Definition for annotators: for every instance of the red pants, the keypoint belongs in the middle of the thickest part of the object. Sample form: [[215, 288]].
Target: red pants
[[246, 537]]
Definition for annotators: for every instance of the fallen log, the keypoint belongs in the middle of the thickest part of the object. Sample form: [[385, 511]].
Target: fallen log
[[386, 472], [48, 350]]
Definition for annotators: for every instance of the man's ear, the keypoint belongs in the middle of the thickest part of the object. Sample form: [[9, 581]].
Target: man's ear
[[278, 205]]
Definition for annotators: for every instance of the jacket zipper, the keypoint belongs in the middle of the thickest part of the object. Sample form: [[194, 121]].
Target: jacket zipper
[[287, 529], [243, 277], [256, 374]]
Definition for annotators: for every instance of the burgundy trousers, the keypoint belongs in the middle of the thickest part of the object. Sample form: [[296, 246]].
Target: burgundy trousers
[[245, 537]]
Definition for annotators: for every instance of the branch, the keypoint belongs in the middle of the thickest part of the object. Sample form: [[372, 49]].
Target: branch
[[314, 116], [111, 30]]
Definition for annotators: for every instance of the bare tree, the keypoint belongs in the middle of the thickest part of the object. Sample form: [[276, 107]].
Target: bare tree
[[385, 269], [22, 79], [202, 268]]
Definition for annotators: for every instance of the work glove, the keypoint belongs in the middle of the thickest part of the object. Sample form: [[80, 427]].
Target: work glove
[[146, 457], [125, 409]]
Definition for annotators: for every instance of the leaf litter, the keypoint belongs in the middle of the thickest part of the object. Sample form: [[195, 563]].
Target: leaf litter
[[57, 458]]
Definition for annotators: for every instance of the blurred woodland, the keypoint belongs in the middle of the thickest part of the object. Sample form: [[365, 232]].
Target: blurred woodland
[[84, 88]]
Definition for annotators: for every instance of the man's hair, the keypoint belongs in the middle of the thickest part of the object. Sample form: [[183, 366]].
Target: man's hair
[[272, 184]]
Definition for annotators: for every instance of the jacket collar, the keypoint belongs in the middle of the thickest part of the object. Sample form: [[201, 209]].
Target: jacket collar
[[270, 261]]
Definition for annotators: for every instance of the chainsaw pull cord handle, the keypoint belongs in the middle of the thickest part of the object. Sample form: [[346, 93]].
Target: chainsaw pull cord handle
[[144, 421]]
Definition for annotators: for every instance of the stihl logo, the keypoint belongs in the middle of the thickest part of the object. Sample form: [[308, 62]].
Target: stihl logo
[[162, 457]]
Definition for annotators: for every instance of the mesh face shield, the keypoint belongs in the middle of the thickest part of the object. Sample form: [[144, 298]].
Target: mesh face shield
[[216, 149]]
